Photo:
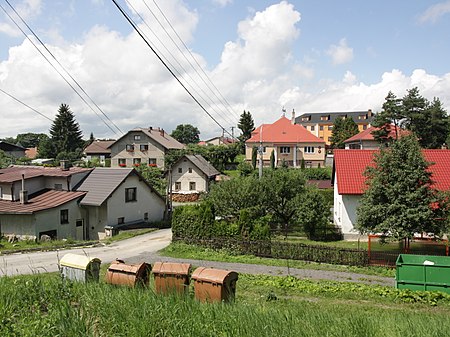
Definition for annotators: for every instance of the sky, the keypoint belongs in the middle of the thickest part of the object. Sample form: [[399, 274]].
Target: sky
[[224, 56]]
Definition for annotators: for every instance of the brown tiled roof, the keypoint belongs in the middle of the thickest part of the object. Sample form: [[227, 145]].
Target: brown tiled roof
[[46, 200], [14, 173], [99, 146], [159, 136], [202, 164]]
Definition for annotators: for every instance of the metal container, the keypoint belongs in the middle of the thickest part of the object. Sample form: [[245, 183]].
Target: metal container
[[214, 285], [130, 275], [79, 268], [423, 272], [171, 277]]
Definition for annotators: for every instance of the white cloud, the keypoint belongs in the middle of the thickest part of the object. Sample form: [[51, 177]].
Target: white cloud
[[27, 9], [340, 53], [222, 3], [435, 12]]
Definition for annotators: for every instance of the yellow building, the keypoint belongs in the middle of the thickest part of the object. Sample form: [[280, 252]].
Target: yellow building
[[321, 124]]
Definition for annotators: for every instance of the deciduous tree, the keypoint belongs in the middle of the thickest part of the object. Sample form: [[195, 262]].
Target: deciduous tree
[[186, 134]]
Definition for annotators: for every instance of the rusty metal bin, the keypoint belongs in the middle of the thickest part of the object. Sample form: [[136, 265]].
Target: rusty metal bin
[[79, 268], [214, 285], [171, 277], [130, 275]]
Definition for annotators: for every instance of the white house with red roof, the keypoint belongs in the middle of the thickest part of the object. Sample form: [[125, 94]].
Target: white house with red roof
[[290, 143], [366, 141], [349, 181]]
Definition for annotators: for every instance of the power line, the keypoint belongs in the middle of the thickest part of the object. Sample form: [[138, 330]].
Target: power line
[[71, 86], [131, 22], [179, 64], [29, 107], [193, 57]]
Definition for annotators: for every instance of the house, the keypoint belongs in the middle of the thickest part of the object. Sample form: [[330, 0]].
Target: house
[[291, 143], [38, 200], [366, 141], [142, 147], [98, 150], [117, 197], [13, 150], [31, 152], [217, 141], [321, 124], [349, 181], [191, 174]]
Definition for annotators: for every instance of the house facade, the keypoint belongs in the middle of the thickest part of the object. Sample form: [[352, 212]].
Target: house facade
[[13, 150], [192, 174], [349, 182], [366, 141], [321, 124], [98, 150], [290, 143], [118, 197], [142, 147]]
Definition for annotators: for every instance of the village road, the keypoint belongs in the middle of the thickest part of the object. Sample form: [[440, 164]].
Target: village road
[[40, 262], [144, 248]]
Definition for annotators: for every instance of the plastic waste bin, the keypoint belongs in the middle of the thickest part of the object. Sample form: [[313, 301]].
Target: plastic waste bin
[[120, 273], [79, 268], [214, 285], [423, 272], [171, 277]]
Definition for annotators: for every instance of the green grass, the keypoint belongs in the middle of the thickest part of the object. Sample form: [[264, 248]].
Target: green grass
[[337, 244], [43, 305], [123, 235], [184, 251], [32, 245]]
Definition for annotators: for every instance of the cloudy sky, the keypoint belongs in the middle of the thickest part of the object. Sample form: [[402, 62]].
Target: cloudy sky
[[231, 55]]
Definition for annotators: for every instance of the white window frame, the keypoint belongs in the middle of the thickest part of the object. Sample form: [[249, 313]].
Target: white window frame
[[309, 149], [285, 149]]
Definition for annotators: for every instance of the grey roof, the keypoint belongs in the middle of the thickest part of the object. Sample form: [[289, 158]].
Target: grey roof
[[158, 135], [5, 146], [316, 117], [202, 164]]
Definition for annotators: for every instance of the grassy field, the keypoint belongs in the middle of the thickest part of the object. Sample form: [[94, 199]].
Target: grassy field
[[184, 251], [43, 305]]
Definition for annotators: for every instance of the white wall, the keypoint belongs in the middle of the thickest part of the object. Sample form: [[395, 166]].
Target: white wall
[[197, 176], [147, 202], [345, 210], [18, 224]]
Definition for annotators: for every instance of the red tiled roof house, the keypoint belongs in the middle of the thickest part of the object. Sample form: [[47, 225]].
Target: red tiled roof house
[[290, 143], [350, 182]]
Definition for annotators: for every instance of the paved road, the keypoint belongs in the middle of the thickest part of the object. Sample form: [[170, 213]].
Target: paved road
[[144, 248], [134, 249]]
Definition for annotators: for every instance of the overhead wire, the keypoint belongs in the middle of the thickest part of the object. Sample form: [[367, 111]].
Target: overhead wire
[[134, 25], [195, 60], [29, 107], [188, 61], [179, 64], [53, 66]]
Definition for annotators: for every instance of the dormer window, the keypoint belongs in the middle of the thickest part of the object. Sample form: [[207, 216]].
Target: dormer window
[[325, 118]]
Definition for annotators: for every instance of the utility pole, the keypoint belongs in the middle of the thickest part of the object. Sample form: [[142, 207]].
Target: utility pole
[[232, 132]]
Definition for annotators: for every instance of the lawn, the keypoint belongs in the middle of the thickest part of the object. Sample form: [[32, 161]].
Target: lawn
[[43, 305]]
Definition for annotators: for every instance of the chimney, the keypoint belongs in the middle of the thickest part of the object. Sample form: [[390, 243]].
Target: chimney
[[369, 112], [23, 194], [161, 131], [293, 117], [64, 164], [150, 128]]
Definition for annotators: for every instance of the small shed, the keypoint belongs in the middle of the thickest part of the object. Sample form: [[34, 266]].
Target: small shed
[[80, 268]]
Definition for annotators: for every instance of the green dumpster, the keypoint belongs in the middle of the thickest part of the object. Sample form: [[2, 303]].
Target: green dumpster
[[423, 272]]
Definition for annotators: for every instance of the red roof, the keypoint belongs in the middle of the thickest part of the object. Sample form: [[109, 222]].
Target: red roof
[[367, 134], [283, 132], [43, 201], [350, 165]]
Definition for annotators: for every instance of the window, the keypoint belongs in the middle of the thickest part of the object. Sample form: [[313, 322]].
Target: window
[[177, 186], [190, 169], [330, 127], [122, 162], [321, 128], [79, 223], [354, 146], [180, 170], [64, 216], [137, 137], [285, 149], [130, 194], [264, 149], [121, 220], [364, 127], [308, 164], [325, 118], [136, 161], [312, 127], [129, 147], [58, 187], [143, 147], [309, 149], [152, 162], [192, 186], [146, 216]]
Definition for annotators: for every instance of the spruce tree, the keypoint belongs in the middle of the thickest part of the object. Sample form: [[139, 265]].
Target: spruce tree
[[343, 129], [247, 126]]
